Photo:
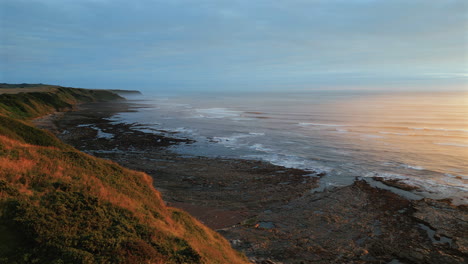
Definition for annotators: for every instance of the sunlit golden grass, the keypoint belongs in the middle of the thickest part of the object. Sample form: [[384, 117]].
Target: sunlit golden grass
[[48, 170]]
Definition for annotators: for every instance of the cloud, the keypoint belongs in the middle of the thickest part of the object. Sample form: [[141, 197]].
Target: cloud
[[208, 42]]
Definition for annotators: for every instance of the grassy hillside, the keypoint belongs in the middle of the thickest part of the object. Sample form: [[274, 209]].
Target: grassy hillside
[[24, 85], [59, 205], [24, 105]]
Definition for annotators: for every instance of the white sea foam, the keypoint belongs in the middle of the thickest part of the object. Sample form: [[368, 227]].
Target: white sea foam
[[231, 141], [340, 152], [182, 130], [217, 113], [256, 134], [290, 161], [452, 144], [260, 147], [371, 136], [102, 134], [146, 130], [411, 167]]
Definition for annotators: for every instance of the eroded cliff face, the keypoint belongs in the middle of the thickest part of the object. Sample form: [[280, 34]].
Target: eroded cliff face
[[59, 205]]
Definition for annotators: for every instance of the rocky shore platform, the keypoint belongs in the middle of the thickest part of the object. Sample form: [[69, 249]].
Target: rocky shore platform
[[269, 212]]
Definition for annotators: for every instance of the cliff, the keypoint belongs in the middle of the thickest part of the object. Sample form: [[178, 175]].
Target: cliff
[[59, 205]]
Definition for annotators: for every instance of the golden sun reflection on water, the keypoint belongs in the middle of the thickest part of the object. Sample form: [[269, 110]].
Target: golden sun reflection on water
[[428, 129]]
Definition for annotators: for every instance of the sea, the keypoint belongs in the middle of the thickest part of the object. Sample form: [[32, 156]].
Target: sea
[[419, 138]]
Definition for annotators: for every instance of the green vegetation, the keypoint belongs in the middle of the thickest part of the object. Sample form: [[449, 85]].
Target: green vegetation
[[33, 104], [23, 85], [125, 91], [59, 205], [22, 132]]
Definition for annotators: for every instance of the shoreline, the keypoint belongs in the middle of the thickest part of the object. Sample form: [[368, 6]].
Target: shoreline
[[147, 152], [268, 211]]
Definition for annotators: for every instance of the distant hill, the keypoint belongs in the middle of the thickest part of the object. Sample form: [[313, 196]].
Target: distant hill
[[55, 98], [35, 87], [26, 88], [59, 205], [23, 85], [124, 92]]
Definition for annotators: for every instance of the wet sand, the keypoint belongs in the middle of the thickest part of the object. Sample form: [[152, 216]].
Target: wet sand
[[267, 211]]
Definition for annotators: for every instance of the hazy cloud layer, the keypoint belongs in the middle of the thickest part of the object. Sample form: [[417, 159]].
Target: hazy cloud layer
[[216, 44]]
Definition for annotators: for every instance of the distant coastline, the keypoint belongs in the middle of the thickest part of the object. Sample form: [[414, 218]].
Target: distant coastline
[[40, 87], [118, 91]]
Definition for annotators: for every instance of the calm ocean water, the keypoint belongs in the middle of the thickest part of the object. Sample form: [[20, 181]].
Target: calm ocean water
[[420, 138]]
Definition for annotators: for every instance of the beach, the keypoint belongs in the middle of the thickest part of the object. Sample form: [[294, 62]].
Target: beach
[[270, 212]]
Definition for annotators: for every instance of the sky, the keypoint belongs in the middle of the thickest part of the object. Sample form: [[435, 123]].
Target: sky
[[236, 45]]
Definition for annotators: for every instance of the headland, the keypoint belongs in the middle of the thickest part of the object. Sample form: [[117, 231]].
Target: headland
[[60, 205]]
